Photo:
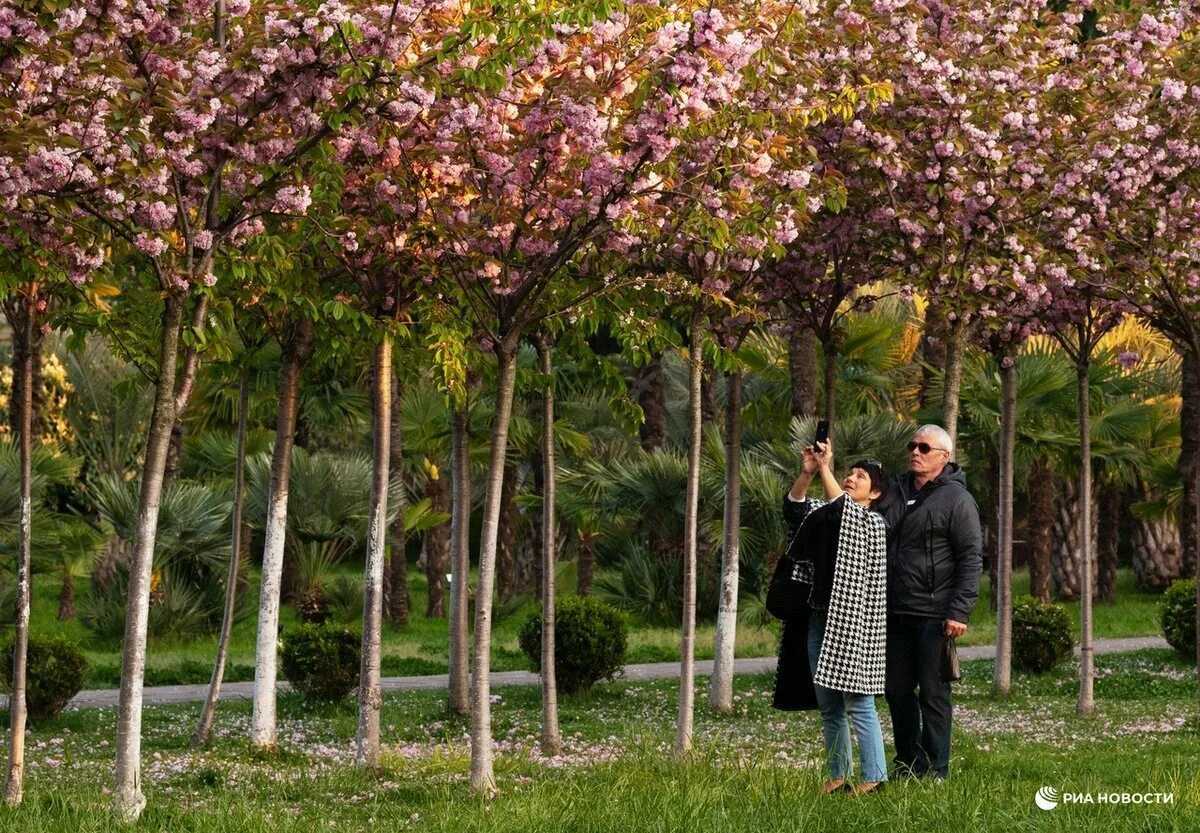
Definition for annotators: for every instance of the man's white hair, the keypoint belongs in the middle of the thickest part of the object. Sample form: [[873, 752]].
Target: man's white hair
[[943, 436]]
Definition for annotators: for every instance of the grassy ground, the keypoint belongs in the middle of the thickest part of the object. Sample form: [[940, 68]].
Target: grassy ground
[[755, 770], [421, 647]]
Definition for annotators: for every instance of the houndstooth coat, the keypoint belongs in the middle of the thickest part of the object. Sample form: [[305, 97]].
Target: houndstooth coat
[[853, 649]]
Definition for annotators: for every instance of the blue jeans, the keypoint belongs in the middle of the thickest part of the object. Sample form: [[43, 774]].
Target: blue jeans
[[835, 706]]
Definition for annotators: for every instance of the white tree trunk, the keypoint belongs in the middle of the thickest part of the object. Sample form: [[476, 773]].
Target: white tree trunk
[[687, 641], [460, 562], [1087, 674], [14, 787], [203, 731], [551, 736], [721, 694], [1002, 673], [128, 799], [370, 698], [266, 660], [483, 779]]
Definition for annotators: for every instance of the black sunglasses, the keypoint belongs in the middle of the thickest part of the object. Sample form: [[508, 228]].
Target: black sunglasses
[[924, 448]]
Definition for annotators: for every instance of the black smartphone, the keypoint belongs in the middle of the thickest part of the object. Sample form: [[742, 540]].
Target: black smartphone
[[822, 432]]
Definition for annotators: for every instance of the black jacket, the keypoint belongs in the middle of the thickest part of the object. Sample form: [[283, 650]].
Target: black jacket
[[935, 549], [813, 536], [794, 690]]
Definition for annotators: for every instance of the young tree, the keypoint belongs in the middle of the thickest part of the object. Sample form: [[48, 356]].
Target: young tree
[[174, 128]]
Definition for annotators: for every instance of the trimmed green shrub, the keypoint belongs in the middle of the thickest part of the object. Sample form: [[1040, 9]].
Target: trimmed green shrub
[[1179, 617], [55, 672], [321, 661], [1041, 635], [590, 638]]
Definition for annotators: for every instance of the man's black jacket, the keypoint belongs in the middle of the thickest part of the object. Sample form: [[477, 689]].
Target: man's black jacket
[[935, 549]]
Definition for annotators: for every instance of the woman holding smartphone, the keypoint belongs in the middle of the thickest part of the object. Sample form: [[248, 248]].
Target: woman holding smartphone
[[832, 654]]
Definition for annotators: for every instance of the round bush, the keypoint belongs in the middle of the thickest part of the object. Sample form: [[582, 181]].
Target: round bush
[[1179, 616], [321, 661], [54, 673], [590, 638], [1041, 635]]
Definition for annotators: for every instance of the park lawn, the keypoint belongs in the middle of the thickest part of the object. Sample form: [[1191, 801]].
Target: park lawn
[[422, 646], [753, 770]]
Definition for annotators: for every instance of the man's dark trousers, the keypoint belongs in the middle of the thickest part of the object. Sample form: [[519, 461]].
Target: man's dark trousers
[[920, 723]]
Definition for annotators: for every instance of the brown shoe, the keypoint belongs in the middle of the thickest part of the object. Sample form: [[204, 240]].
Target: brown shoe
[[833, 785], [864, 787]]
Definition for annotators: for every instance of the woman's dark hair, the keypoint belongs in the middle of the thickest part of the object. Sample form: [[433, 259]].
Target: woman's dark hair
[[874, 470]]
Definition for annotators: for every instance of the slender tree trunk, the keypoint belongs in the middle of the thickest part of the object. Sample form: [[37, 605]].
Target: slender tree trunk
[[1188, 467], [505, 558], [932, 350], [952, 381], [653, 399], [687, 642], [1041, 522], [203, 731], [370, 694], [399, 600], [829, 352], [27, 347], [128, 799], [370, 697], [66, 597], [483, 779], [295, 354], [22, 405], [721, 696], [1188, 464], [1110, 504], [460, 560], [1002, 675], [551, 736], [802, 369], [437, 548], [587, 563], [1087, 701], [708, 395]]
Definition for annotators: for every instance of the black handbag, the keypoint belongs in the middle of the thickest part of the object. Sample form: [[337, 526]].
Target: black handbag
[[951, 670], [787, 596]]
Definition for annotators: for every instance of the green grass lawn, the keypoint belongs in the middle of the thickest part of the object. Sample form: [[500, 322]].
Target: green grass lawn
[[754, 770], [422, 646]]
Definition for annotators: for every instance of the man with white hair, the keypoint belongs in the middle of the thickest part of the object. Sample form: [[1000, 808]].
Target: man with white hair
[[935, 557]]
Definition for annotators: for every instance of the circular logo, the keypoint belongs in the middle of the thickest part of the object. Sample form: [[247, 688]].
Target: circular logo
[[1047, 798]]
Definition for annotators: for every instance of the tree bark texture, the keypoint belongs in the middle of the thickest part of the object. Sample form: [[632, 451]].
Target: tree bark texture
[[803, 370], [1087, 674], [296, 351], [370, 697], [721, 694], [551, 735], [21, 405], [1111, 506], [128, 798], [687, 642], [483, 779], [509, 518], [1042, 501]]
